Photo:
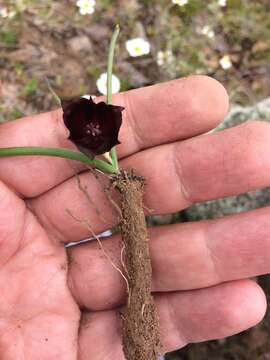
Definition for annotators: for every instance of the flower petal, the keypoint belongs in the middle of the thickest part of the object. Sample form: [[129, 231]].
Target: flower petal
[[93, 127]]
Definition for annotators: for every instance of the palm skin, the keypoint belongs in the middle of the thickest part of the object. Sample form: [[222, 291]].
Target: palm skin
[[39, 317], [56, 305]]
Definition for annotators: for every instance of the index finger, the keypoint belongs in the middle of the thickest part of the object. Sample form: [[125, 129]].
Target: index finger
[[153, 115]]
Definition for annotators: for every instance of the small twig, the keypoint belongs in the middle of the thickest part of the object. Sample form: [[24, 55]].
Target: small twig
[[95, 173], [55, 96], [148, 209], [143, 307], [115, 205], [122, 259], [106, 189], [88, 197], [96, 237]]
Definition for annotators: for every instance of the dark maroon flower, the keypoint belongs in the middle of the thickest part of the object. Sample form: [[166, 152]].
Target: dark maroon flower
[[93, 127]]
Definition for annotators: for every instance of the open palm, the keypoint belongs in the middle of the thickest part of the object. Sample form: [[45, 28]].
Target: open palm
[[59, 305]]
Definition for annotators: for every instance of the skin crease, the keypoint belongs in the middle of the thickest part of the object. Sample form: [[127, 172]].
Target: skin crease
[[55, 306]]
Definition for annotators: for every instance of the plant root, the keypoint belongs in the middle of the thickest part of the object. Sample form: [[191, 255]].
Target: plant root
[[140, 325]]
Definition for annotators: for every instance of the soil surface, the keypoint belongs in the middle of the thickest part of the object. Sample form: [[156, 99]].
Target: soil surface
[[51, 39]]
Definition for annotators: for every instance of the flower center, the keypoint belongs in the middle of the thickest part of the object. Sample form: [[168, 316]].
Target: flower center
[[93, 129]]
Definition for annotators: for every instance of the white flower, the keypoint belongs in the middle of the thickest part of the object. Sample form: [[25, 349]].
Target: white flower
[[164, 57], [11, 14], [87, 96], [225, 62], [180, 2], [5, 13], [86, 6], [206, 30], [169, 56], [160, 58], [102, 84], [222, 3], [137, 47]]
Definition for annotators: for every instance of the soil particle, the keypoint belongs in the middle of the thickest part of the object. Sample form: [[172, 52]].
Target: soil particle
[[140, 327]]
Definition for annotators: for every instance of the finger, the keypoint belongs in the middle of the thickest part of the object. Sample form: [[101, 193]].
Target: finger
[[12, 220], [178, 174], [153, 115], [183, 256], [185, 317]]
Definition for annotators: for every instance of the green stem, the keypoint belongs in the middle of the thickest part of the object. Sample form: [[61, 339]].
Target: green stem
[[58, 152], [110, 63], [109, 86]]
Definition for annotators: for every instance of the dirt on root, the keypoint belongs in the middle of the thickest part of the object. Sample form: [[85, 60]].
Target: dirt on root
[[140, 324]]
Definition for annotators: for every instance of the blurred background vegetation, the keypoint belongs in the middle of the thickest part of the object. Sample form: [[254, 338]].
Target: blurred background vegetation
[[228, 40], [40, 39]]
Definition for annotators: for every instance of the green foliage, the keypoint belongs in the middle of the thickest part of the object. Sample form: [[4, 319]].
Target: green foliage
[[30, 88], [8, 38], [93, 71], [241, 30], [18, 67], [106, 4], [187, 12], [15, 113]]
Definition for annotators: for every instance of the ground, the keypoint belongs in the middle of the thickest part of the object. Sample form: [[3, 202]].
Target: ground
[[51, 40]]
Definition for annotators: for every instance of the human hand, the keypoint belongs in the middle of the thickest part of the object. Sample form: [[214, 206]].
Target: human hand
[[55, 306]]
